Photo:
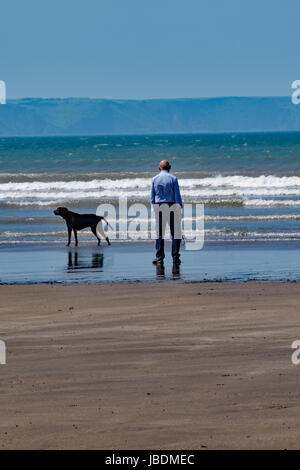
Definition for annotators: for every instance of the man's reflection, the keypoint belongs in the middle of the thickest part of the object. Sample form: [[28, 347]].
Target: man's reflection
[[160, 272]]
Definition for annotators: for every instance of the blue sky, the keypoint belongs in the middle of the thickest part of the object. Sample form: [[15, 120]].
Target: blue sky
[[137, 49]]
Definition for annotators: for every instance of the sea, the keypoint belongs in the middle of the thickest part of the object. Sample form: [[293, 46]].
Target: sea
[[248, 183]]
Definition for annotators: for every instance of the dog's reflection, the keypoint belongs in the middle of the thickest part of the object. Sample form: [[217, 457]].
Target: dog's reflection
[[84, 260]]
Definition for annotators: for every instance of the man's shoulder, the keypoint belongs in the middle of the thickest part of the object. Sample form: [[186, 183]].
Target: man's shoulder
[[165, 177], [159, 176], [155, 178], [173, 177]]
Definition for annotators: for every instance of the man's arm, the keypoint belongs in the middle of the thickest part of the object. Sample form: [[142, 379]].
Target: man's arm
[[177, 193], [152, 197]]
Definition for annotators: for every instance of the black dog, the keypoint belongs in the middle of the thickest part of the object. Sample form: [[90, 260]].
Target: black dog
[[76, 222]]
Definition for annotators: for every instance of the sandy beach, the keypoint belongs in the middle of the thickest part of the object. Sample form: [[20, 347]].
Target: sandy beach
[[150, 366]]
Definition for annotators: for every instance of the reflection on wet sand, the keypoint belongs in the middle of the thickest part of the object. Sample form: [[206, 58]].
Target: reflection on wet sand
[[78, 261], [160, 272]]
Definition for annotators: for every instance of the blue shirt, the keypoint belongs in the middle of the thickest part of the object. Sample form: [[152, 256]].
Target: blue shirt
[[165, 188]]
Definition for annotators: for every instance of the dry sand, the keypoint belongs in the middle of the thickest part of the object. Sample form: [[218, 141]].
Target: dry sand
[[150, 366]]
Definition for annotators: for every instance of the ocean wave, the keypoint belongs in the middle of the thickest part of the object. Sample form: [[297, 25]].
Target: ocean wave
[[72, 176], [79, 193], [32, 234], [271, 203], [234, 186], [86, 202], [144, 234], [102, 182], [207, 218], [225, 232], [204, 176], [28, 220], [250, 218], [210, 202], [213, 191]]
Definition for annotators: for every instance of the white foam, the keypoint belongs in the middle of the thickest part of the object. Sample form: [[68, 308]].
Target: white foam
[[231, 187], [219, 181], [272, 203], [217, 233]]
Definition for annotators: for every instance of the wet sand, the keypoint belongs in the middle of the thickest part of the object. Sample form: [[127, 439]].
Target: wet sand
[[87, 264], [150, 366]]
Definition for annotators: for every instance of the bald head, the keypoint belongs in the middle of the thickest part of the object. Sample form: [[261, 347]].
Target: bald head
[[164, 165]]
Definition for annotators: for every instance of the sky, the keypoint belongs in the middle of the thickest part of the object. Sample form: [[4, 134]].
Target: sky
[[141, 49]]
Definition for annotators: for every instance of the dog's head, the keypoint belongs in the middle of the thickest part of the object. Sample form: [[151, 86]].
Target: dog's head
[[62, 211]]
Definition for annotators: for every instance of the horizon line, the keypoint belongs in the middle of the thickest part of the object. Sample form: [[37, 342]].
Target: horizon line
[[148, 99]]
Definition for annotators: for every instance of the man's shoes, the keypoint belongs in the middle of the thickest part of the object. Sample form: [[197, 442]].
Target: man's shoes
[[156, 262], [176, 265], [160, 269], [176, 268]]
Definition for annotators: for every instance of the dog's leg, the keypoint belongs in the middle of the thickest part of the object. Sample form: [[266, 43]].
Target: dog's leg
[[69, 235], [93, 229], [75, 235], [107, 239]]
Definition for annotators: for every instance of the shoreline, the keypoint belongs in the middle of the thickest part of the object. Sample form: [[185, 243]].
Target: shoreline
[[150, 366], [168, 281], [132, 262]]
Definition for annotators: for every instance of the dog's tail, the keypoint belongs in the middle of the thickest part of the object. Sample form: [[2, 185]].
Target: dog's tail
[[99, 229], [107, 223]]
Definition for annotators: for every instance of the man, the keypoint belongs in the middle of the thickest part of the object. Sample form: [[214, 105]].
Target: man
[[165, 195]]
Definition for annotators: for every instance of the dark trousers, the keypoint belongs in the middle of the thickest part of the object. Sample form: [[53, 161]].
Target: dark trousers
[[160, 242]]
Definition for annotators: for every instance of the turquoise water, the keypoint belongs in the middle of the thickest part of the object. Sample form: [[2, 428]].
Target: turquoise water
[[221, 153], [249, 185]]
